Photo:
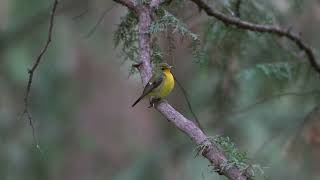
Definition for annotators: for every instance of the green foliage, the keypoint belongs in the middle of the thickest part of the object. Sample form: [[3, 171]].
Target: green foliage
[[221, 42], [197, 52], [234, 155], [226, 6], [263, 11], [278, 70], [235, 158], [165, 21], [156, 54], [127, 36], [67, 96]]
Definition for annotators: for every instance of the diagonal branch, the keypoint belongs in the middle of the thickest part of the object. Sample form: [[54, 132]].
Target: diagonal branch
[[184, 92], [261, 28], [209, 150], [34, 68], [128, 3], [94, 28]]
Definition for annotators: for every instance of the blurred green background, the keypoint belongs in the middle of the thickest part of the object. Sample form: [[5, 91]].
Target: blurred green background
[[255, 88]]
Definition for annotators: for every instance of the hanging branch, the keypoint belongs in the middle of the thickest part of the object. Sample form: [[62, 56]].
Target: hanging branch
[[208, 149], [32, 70], [128, 3], [94, 28], [241, 24], [185, 94]]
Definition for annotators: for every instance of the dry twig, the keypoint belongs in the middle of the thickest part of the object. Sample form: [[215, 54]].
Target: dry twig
[[34, 68], [241, 24]]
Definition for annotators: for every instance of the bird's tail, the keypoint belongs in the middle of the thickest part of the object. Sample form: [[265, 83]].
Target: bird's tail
[[139, 99]]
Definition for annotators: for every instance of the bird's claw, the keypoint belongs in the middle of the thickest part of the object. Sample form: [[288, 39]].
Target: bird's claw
[[153, 101], [150, 105]]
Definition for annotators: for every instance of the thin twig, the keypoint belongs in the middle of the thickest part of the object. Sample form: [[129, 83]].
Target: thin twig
[[210, 151], [247, 108], [33, 69], [128, 3], [80, 15], [298, 129], [94, 28], [262, 29], [275, 96], [185, 94], [264, 100]]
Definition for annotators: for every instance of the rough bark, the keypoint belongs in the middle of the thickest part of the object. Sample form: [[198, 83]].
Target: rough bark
[[209, 150]]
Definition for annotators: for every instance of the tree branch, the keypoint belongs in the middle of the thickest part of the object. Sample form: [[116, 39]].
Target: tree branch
[[94, 28], [145, 69], [33, 69], [210, 151], [184, 92], [128, 3], [261, 28]]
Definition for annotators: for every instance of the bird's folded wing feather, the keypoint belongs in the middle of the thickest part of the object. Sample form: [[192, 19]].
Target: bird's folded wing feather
[[154, 82]]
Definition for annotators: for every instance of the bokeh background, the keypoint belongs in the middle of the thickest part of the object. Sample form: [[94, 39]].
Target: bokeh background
[[257, 89]]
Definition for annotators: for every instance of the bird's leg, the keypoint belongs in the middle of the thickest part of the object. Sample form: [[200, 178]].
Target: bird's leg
[[152, 101]]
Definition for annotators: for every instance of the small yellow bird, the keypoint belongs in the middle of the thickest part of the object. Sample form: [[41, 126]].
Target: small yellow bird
[[160, 84]]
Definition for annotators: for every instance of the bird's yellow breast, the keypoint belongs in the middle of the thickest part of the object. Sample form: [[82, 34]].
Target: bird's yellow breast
[[166, 86]]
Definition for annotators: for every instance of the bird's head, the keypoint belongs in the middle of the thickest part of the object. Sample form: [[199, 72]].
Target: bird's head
[[165, 66]]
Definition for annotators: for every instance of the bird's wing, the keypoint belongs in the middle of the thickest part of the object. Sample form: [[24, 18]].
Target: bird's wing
[[154, 82]]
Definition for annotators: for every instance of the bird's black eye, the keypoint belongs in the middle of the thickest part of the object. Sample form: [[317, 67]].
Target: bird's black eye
[[163, 68]]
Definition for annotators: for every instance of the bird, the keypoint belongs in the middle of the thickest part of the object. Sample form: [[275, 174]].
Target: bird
[[160, 84]]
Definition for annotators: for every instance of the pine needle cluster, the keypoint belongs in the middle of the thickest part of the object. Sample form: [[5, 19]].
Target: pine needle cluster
[[126, 35]]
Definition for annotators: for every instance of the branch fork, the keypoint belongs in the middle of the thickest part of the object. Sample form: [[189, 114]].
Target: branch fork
[[211, 151]]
